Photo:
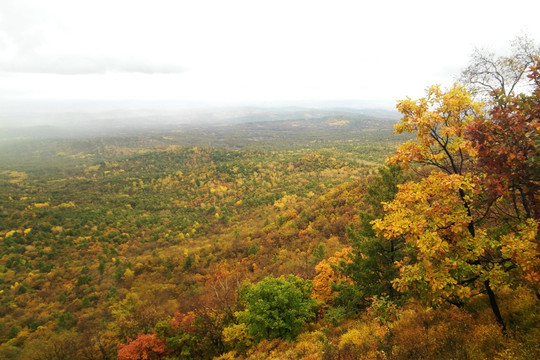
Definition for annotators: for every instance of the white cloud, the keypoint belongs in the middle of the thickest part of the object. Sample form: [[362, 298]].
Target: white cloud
[[72, 64], [72, 38], [245, 50]]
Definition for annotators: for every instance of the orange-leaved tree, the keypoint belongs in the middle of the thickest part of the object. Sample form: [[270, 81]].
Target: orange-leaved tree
[[145, 346]]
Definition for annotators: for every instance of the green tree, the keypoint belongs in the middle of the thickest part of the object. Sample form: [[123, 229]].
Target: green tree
[[277, 307], [373, 259]]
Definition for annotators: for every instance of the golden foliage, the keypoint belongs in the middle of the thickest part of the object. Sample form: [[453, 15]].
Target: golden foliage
[[326, 276]]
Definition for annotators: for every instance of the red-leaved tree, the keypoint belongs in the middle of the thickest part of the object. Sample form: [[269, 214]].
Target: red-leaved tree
[[144, 347], [508, 145]]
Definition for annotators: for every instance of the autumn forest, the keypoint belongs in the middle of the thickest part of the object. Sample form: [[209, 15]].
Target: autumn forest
[[339, 236]]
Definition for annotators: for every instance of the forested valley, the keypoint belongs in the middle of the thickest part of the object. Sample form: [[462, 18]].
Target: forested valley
[[327, 238]]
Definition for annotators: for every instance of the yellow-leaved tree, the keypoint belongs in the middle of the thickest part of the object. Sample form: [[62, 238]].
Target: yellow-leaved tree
[[442, 216]]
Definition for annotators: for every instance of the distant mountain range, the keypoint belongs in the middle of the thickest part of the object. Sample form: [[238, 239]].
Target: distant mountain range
[[64, 124]]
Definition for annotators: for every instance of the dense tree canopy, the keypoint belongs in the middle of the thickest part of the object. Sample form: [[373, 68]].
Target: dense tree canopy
[[445, 215]]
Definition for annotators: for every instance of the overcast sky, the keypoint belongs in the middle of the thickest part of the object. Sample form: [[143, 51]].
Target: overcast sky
[[235, 52]]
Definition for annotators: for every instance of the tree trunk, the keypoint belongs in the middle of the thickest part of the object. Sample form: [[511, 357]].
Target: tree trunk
[[495, 306]]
